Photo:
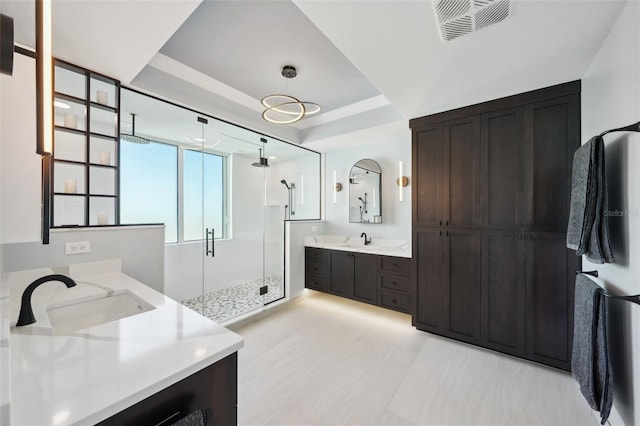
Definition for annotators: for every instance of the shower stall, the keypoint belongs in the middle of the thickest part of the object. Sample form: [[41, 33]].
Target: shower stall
[[225, 214]]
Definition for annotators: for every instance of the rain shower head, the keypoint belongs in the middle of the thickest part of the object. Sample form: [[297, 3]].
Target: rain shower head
[[264, 162], [284, 182], [132, 137]]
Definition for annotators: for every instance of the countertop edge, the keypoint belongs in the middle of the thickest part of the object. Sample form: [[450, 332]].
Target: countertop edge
[[133, 399]]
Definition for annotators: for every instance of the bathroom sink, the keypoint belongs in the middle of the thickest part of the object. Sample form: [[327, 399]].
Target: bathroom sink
[[76, 316]]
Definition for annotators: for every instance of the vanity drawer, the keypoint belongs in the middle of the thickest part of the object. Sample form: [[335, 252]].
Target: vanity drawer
[[317, 282], [316, 253], [399, 302], [396, 265], [390, 282], [317, 266]]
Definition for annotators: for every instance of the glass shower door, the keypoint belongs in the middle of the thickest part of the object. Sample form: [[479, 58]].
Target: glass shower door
[[233, 223]]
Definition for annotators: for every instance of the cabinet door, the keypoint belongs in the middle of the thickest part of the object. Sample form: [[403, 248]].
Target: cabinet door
[[553, 135], [550, 281], [341, 282], [461, 276], [365, 277], [503, 175], [461, 162], [503, 291], [427, 175], [429, 288]]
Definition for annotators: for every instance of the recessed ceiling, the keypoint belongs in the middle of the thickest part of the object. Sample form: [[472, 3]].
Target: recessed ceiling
[[367, 63]]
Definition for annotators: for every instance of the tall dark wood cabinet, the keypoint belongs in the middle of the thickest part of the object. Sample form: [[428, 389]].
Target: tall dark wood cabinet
[[491, 199]]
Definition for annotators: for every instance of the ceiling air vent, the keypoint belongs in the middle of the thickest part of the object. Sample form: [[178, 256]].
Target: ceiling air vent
[[456, 18]]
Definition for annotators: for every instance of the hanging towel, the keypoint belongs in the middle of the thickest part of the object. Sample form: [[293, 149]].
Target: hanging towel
[[590, 364], [588, 226], [196, 418]]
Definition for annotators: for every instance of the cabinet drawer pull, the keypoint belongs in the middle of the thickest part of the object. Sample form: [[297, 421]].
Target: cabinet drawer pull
[[394, 283], [394, 300]]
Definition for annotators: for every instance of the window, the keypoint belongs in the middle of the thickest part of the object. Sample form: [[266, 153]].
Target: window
[[150, 190]]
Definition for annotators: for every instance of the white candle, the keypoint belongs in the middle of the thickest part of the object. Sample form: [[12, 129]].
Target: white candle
[[71, 186], [70, 120], [103, 218], [105, 158], [102, 97]]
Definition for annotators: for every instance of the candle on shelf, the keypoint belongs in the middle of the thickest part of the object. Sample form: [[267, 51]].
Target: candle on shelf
[[105, 158], [102, 97], [70, 120], [103, 218], [70, 186]]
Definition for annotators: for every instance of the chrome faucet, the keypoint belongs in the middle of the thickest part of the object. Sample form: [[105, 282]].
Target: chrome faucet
[[26, 313], [366, 241]]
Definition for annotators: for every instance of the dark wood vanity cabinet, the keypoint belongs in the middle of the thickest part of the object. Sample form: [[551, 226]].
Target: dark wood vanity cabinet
[[490, 208], [214, 389], [317, 273], [394, 283], [379, 280]]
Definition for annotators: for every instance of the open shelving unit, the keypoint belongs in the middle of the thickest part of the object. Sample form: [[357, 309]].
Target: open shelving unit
[[86, 156]]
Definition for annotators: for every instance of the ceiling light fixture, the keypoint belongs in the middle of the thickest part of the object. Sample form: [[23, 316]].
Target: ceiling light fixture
[[285, 109]]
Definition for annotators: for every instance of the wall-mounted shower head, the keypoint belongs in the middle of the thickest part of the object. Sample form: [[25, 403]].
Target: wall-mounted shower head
[[284, 182]]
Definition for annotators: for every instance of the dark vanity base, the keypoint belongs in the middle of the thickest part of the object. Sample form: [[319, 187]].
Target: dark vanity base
[[378, 280], [214, 388]]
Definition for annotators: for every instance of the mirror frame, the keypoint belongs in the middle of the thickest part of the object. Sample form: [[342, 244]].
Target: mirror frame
[[368, 165]]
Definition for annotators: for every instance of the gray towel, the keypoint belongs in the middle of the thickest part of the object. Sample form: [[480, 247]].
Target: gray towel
[[588, 226], [196, 418], [590, 364]]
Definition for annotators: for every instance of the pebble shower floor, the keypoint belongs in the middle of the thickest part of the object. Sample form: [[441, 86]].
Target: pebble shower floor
[[222, 305]]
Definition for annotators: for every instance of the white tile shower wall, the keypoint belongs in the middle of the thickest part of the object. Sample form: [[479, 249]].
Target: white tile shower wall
[[236, 261], [610, 99], [387, 145]]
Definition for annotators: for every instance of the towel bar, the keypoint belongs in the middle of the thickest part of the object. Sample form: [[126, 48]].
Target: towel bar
[[635, 127], [633, 299], [592, 273]]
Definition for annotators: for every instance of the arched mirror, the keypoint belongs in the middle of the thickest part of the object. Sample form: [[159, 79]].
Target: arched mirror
[[365, 185]]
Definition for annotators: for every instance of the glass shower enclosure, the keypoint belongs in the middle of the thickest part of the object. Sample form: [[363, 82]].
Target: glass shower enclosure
[[218, 189]]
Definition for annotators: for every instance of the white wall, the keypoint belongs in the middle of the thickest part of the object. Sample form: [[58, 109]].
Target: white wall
[[611, 98], [386, 144], [20, 166], [140, 248]]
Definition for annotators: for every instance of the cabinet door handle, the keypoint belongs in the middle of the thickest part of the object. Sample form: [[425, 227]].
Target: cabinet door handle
[[446, 233], [439, 223], [394, 301], [446, 223]]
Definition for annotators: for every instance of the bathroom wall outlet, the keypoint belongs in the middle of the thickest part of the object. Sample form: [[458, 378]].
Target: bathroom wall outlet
[[77, 247]]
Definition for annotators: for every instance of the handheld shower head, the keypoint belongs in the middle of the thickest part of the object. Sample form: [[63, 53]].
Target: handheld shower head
[[284, 182]]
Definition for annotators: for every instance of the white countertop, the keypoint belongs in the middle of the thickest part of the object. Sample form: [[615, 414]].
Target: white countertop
[[97, 372], [5, 355], [380, 246]]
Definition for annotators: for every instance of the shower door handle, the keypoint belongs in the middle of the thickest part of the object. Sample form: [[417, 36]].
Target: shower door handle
[[211, 252]]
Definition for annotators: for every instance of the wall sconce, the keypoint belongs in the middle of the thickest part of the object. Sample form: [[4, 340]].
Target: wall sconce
[[44, 78], [337, 186], [402, 181]]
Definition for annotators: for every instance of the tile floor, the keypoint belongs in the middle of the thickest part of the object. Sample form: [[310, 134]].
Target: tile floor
[[228, 303], [324, 360]]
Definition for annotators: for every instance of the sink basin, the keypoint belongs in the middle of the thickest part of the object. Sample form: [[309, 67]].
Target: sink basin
[[72, 317]]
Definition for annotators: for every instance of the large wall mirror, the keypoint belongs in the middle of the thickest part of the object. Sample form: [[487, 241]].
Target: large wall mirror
[[365, 185]]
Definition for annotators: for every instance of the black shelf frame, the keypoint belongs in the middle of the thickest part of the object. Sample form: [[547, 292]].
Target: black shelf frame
[[88, 165]]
